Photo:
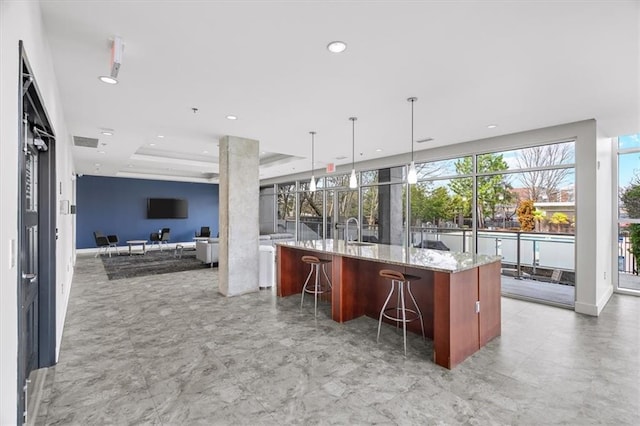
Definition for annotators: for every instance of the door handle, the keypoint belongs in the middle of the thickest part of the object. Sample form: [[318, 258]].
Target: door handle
[[30, 277]]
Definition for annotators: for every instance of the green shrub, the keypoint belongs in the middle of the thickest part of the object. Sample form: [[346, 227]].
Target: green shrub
[[630, 198], [634, 237]]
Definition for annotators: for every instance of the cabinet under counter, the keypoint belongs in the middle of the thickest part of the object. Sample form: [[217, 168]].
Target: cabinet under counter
[[458, 293]]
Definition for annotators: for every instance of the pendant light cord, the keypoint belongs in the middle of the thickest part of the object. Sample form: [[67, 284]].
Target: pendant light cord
[[412, 129], [312, 151], [353, 142], [412, 100]]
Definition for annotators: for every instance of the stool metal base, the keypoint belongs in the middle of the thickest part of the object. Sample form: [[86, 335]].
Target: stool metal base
[[400, 309], [316, 289]]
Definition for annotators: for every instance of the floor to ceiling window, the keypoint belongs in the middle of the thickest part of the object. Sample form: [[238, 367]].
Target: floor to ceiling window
[[310, 213], [383, 213], [628, 202], [517, 204], [525, 212], [286, 210], [441, 205]]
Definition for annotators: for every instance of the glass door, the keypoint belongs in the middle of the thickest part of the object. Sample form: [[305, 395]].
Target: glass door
[[628, 248]]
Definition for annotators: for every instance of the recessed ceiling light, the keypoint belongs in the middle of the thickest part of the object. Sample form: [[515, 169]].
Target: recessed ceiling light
[[101, 152], [107, 79], [492, 126], [97, 164], [152, 144], [379, 150], [231, 117], [106, 133], [337, 46], [161, 136], [205, 152]]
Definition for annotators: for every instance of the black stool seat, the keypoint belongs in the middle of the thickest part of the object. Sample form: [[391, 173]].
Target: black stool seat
[[400, 313]]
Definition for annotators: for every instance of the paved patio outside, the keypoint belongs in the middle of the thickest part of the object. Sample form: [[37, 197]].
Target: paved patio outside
[[555, 294]]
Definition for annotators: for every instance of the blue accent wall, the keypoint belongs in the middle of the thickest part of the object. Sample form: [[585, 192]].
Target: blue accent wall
[[119, 206]]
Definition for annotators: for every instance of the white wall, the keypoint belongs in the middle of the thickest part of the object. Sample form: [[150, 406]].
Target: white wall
[[21, 20], [593, 223], [606, 269]]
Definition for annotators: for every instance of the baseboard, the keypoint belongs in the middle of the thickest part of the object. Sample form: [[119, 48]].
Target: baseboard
[[170, 246], [594, 310], [252, 290], [605, 299]]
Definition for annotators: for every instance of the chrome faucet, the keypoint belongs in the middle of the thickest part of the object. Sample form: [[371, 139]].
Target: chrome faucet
[[346, 229]]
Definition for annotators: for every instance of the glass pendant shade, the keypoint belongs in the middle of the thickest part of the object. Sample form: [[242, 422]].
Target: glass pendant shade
[[312, 184], [412, 176], [353, 181]]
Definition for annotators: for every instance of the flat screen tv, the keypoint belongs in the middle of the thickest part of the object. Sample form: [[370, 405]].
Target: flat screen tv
[[167, 208]]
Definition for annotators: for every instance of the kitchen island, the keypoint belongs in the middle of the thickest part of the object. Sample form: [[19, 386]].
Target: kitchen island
[[458, 293]]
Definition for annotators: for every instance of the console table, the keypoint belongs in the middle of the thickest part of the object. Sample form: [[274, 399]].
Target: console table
[[459, 293]]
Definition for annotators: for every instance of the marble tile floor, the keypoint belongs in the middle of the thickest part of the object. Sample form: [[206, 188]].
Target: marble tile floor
[[169, 350]]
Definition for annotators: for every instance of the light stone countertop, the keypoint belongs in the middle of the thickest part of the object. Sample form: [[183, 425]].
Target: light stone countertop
[[433, 260]]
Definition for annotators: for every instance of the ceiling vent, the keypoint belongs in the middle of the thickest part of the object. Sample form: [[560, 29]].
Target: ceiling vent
[[270, 159], [85, 142], [424, 140]]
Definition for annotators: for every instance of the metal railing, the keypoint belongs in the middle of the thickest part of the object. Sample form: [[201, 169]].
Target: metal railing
[[523, 253], [626, 260]]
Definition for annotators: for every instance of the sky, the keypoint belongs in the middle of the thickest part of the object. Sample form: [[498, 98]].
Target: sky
[[628, 164]]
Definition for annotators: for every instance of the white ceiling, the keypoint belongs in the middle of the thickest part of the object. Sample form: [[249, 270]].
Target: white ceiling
[[519, 64]]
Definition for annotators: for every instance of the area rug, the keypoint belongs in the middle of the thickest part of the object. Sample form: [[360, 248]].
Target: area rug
[[151, 263]]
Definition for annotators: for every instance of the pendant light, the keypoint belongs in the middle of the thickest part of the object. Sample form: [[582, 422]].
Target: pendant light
[[353, 181], [312, 184], [412, 176]]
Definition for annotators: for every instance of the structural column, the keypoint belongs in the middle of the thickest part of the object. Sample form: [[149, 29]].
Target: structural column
[[239, 216]]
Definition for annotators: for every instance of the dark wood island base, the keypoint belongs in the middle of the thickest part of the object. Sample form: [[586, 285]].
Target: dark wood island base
[[461, 308]]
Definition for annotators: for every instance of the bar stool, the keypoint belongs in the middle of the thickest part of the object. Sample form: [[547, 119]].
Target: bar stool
[[400, 309], [315, 289]]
